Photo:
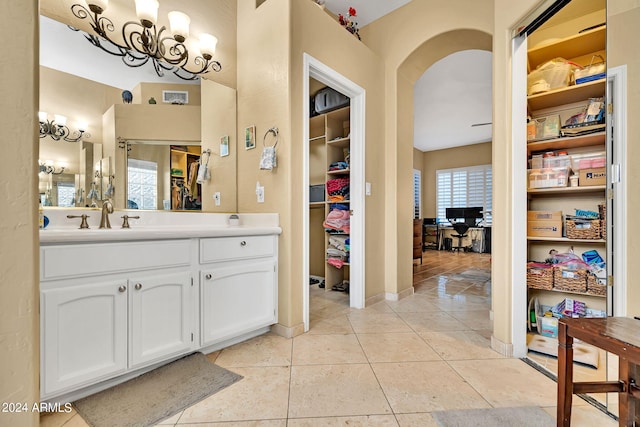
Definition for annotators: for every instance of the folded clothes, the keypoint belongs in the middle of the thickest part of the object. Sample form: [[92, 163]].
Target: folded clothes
[[341, 206], [338, 242], [335, 166], [337, 220], [336, 253], [338, 263]]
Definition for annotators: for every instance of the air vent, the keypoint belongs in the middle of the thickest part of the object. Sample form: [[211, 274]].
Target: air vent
[[175, 97]]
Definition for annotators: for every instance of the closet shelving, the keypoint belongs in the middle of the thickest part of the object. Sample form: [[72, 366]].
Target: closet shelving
[[181, 159], [580, 49], [328, 142]]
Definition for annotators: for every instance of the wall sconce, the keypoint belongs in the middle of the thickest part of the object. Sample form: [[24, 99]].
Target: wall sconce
[[143, 41], [47, 167], [57, 128]]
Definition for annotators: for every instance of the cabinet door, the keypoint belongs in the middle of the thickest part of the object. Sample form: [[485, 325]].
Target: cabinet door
[[237, 299], [84, 334], [161, 313]]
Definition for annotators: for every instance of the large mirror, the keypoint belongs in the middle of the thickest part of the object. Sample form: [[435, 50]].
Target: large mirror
[[142, 155]]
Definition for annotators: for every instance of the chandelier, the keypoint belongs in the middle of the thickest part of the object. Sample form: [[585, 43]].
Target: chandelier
[[47, 167], [143, 41], [57, 128]]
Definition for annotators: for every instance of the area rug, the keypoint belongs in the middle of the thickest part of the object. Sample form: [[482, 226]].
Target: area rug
[[582, 353], [529, 416], [156, 395]]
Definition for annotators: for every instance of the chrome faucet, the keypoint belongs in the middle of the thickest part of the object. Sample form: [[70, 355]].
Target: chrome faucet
[[107, 208]]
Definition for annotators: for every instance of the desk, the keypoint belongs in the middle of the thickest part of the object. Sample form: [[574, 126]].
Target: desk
[[474, 233], [617, 335]]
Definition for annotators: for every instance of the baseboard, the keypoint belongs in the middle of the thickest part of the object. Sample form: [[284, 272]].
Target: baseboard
[[389, 296], [287, 332], [501, 347]]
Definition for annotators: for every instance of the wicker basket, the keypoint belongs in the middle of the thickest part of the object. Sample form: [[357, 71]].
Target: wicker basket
[[603, 217], [539, 277], [583, 229], [569, 280], [594, 287]]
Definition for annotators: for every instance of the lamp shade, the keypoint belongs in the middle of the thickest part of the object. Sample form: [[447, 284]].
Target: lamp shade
[[60, 120], [147, 11], [42, 116], [208, 45], [179, 23]]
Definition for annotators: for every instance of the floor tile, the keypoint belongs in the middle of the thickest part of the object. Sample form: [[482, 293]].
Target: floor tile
[[363, 323], [416, 420], [435, 321], [264, 350], [362, 421], [254, 423], [335, 390], [517, 384], [327, 349], [399, 347], [425, 386], [460, 345], [262, 394], [334, 325]]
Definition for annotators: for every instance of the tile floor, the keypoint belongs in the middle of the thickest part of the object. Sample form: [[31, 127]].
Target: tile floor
[[390, 364]]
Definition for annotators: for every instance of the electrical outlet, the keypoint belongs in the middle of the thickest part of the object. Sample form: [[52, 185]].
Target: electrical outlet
[[260, 194], [216, 198]]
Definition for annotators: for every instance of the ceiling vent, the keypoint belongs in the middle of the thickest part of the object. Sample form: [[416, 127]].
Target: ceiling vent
[[175, 97]]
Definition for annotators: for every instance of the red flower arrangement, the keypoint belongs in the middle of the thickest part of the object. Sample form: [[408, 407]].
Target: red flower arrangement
[[348, 22]]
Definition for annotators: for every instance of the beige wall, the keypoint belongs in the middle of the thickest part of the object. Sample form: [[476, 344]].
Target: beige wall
[[143, 92], [218, 119], [410, 40], [19, 297], [458, 157], [623, 33]]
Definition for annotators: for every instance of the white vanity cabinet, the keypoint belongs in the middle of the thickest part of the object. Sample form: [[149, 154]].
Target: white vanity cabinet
[[100, 326], [238, 286], [84, 334]]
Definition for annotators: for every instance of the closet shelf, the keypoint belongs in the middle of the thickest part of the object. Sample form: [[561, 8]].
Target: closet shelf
[[339, 172], [567, 95], [569, 292], [589, 140], [340, 143], [317, 138], [565, 239], [566, 190]]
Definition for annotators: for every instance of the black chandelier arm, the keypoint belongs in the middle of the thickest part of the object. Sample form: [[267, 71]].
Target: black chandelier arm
[[77, 136], [100, 24]]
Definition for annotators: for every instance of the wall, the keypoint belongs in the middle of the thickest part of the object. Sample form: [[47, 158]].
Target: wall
[[423, 32], [218, 118], [622, 36], [19, 301], [458, 157], [143, 92], [317, 33]]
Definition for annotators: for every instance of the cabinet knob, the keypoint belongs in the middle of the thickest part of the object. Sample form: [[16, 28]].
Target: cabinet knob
[[243, 243], [138, 286], [208, 276], [122, 288]]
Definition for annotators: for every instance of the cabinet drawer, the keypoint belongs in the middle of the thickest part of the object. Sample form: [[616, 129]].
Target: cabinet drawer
[[63, 261], [230, 248]]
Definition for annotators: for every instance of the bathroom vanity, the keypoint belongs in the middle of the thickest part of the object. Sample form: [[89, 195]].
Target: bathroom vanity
[[117, 302]]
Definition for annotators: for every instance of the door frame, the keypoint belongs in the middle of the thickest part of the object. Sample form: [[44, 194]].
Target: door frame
[[313, 68]]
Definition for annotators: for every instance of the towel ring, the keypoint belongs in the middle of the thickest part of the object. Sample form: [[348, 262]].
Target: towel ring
[[274, 131]]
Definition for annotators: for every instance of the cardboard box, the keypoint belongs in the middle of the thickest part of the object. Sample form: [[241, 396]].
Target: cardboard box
[[544, 216], [548, 326], [544, 228], [592, 176]]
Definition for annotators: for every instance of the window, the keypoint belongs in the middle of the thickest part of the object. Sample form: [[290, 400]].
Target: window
[[417, 187], [462, 188], [66, 194], [142, 189]]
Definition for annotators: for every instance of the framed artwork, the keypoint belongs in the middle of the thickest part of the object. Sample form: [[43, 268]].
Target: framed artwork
[[224, 146], [250, 137]]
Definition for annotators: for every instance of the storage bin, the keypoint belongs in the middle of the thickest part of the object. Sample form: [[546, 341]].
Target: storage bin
[[594, 287], [539, 276], [548, 178], [592, 176], [583, 229], [602, 209], [547, 127], [557, 162], [569, 280], [549, 76], [316, 193], [585, 160]]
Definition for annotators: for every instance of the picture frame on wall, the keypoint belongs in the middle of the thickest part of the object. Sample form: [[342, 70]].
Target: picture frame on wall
[[224, 146], [250, 137]]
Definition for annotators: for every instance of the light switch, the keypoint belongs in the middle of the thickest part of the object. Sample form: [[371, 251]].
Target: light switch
[[367, 188], [259, 192], [216, 198]]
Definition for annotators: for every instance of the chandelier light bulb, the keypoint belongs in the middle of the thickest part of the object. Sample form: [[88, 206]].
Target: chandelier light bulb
[[42, 116], [147, 11], [98, 6], [208, 45], [60, 120], [179, 23], [82, 126]]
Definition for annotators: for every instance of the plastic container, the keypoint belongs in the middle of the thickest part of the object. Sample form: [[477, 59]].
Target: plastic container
[[552, 75], [557, 162], [577, 159], [548, 178], [547, 127]]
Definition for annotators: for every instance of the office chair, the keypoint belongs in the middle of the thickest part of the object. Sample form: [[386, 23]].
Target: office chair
[[461, 228]]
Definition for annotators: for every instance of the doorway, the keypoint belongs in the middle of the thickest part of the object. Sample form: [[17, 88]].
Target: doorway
[[314, 69]]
